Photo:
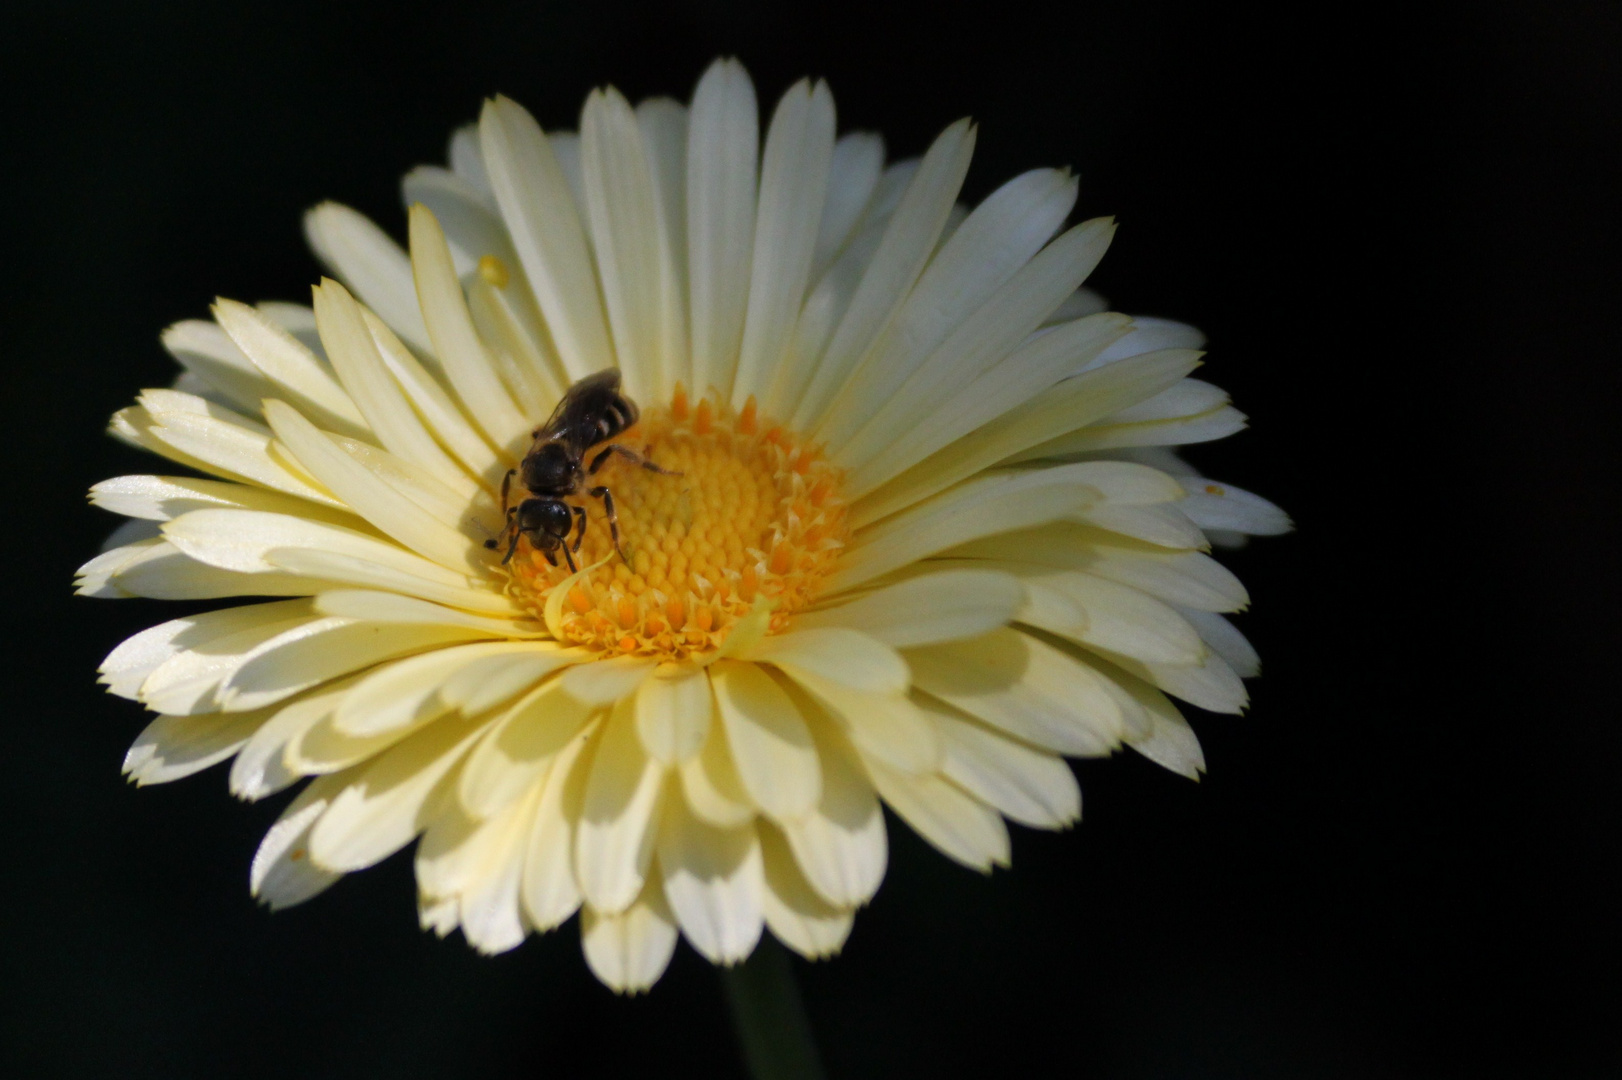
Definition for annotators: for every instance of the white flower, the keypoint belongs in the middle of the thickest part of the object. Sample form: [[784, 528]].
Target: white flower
[[924, 539]]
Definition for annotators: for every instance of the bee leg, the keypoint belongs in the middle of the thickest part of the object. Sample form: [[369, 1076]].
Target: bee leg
[[495, 541], [580, 537], [568, 556], [613, 518], [629, 455], [506, 486], [651, 467], [512, 547]]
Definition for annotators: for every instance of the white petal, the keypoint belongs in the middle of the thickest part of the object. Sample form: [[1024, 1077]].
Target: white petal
[[163, 498], [378, 396], [412, 691], [984, 338], [519, 748], [1027, 785], [1117, 618], [633, 256], [1045, 367], [606, 681], [1186, 579], [1227, 642], [172, 747], [630, 950], [366, 493], [1222, 506], [1027, 688], [1151, 335], [218, 441], [492, 920], [309, 655], [364, 258], [1000, 237], [539, 211], [549, 891], [713, 880], [472, 226], [723, 143], [957, 823], [380, 811], [1164, 525], [157, 569], [663, 124], [984, 506], [711, 785], [837, 654], [137, 657], [840, 846], [443, 418], [673, 713], [1171, 743], [260, 769], [614, 840], [927, 609], [1212, 685], [461, 353], [207, 352], [188, 681], [467, 160], [797, 916], [300, 377], [908, 243], [886, 726], [793, 187], [385, 607], [770, 745], [283, 874], [854, 173]]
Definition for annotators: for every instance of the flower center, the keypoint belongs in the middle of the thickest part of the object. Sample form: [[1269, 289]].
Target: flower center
[[752, 514]]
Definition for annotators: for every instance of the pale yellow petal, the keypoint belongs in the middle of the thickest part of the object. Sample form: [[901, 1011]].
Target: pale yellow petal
[[461, 352], [840, 846], [301, 378], [549, 891], [540, 212], [614, 841], [368, 495], [1026, 687], [520, 746], [283, 874], [381, 809], [673, 713], [770, 745], [927, 609], [628, 951], [795, 913], [713, 881]]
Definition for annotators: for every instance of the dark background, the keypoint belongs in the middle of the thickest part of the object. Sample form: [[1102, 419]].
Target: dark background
[[1399, 230]]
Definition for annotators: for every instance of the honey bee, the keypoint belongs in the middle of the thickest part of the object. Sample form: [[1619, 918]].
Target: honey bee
[[593, 411]]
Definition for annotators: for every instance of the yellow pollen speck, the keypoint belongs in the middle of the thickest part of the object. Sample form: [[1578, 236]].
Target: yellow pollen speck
[[1213, 489], [750, 517], [494, 271]]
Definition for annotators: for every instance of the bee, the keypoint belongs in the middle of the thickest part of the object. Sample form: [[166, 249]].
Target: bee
[[593, 411]]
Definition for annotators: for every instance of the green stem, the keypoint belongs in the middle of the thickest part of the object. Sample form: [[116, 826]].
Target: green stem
[[768, 1016]]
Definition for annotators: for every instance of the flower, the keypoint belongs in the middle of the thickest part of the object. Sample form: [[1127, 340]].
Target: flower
[[915, 536]]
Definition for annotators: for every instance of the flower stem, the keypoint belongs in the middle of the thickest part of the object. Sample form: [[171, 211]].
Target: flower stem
[[768, 1016]]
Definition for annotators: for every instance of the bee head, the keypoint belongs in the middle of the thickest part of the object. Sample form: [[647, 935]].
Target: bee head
[[545, 521]]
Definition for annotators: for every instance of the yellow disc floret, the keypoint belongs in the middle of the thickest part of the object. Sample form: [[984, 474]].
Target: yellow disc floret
[[753, 517]]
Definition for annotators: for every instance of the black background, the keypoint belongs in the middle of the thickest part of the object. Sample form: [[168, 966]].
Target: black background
[[1398, 229]]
